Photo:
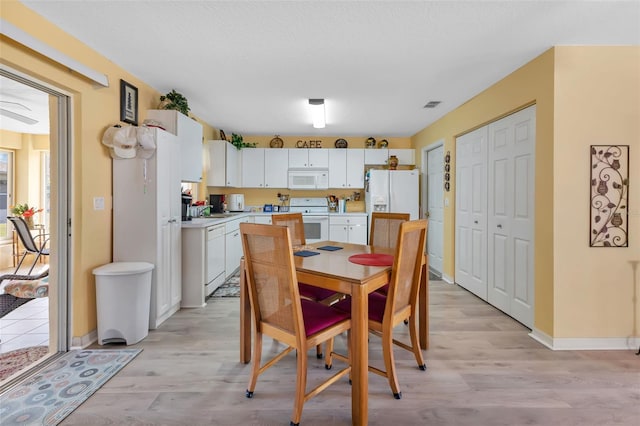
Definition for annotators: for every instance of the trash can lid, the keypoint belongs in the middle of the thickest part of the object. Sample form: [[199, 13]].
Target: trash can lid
[[123, 268]]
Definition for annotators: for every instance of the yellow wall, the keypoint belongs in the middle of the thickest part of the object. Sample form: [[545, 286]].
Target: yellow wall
[[95, 109], [597, 102], [584, 96]]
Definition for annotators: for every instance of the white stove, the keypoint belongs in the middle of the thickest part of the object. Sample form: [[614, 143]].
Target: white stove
[[315, 215], [308, 205]]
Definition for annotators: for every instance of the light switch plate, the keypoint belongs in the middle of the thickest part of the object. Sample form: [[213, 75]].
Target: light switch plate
[[98, 203]]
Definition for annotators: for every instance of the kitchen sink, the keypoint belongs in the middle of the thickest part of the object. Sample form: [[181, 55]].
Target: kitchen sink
[[220, 215]]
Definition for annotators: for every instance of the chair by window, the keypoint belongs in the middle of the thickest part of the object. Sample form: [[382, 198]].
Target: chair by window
[[384, 228], [29, 242], [400, 303], [279, 312]]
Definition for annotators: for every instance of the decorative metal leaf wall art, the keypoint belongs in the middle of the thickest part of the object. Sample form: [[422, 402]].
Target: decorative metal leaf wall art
[[609, 196]]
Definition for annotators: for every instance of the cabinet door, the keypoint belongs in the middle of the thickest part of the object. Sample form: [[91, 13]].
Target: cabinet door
[[354, 168], [233, 252], [358, 233], [405, 156], [376, 156], [233, 166], [264, 219], [189, 134], [275, 168], [339, 233], [318, 157], [253, 167], [190, 137], [338, 168], [298, 158], [176, 263], [217, 174]]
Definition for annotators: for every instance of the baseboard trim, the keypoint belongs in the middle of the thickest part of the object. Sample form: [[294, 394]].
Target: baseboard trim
[[446, 278], [85, 341], [585, 343]]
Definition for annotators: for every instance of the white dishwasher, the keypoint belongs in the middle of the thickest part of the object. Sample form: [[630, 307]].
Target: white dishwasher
[[215, 258]]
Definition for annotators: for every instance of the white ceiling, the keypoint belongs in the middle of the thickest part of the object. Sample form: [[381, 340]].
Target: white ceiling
[[250, 66]]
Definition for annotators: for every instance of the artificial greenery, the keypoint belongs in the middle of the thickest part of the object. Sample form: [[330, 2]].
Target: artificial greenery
[[176, 101], [238, 142]]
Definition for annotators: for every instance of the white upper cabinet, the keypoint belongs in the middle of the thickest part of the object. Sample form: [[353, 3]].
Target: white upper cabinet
[[253, 167], [189, 134], [301, 158], [264, 167], [225, 164], [405, 156], [346, 168], [275, 168], [373, 156]]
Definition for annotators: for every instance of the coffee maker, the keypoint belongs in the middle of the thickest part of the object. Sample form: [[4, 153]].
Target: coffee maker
[[216, 203], [186, 206]]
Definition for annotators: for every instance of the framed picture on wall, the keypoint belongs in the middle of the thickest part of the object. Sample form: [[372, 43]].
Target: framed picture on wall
[[128, 103]]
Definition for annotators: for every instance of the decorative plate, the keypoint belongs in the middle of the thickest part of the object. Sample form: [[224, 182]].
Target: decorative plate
[[276, 142], [341, 143], [370, 143]]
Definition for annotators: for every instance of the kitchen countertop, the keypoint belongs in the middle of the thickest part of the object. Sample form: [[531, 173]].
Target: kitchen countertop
[[204, 222]]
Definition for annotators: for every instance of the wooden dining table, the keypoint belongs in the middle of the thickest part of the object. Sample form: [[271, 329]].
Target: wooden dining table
[[332, 270]]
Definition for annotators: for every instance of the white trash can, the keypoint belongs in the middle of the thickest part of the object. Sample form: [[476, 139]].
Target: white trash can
[[123, 299]]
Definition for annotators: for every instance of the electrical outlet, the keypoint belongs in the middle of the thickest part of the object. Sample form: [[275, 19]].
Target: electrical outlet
[[98, 203]]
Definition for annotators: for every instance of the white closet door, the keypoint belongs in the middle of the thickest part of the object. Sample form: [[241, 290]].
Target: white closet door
[[511, 205], [435, 160], [471, 212]]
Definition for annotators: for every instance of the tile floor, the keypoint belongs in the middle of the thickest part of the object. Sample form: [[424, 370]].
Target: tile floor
[[28, 325]]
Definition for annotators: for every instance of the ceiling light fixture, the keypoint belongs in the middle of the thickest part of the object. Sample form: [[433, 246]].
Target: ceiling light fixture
[[317, 113]]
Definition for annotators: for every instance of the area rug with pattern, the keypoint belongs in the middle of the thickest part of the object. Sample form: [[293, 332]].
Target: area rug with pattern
[[53, 393], [230, 288], [18, 359]]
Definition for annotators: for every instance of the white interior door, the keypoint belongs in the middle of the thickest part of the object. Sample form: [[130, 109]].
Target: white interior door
[[511, 209], [471, 212], [435, 204]]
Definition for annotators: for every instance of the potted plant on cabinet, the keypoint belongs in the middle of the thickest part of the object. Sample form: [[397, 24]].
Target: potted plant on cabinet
[[238, 142], [176, 101]]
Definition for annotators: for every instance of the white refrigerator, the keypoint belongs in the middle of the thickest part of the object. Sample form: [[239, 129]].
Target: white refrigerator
[[392, 191]]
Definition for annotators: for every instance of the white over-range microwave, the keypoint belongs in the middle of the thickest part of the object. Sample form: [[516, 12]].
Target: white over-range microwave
[[308, 179]]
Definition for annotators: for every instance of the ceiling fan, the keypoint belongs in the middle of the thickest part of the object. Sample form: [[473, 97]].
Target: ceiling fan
[[15, 115]]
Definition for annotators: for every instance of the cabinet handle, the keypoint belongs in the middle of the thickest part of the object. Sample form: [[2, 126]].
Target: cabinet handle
[[475, 221], [236, 234], [499, 226]]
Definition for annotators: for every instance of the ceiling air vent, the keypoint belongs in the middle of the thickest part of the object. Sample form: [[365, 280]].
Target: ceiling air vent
[[432, 104]]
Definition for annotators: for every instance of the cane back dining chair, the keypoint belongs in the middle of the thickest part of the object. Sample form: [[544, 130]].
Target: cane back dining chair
[[384, 232], [400, 303], [384, 228], [279, 312], [29, 242], [295, 223]]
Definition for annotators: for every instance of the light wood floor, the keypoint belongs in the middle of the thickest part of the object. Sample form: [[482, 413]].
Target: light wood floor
[[483, 369]]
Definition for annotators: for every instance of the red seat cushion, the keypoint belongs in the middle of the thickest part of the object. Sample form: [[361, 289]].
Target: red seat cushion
[[377, 302], [317, 316], [314, 293], [383, 290]]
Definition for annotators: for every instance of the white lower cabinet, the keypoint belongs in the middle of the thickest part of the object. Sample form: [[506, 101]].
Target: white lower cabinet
[[202, 263], [348, 228], [233, 245]]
